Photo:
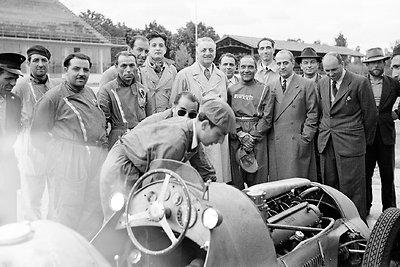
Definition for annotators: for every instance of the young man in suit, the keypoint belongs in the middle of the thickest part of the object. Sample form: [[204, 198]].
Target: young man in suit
[[290, 141], [347, 125], [386, 90]]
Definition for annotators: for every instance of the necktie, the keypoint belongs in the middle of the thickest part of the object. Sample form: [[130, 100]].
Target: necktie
[[284, 86], [334, 89], [207, 73]]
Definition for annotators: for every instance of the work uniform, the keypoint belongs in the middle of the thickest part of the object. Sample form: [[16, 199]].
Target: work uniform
[[10, 116], [124, 106], [199, 160], [193, 79], [174, 138], [159, 81], [253, 107], [266, 74], [31, 162], [70, 126]]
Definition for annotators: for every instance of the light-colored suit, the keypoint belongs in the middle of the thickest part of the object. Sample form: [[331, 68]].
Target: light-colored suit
[[347, 125], [159, 87], [192, 79], [290, 142]]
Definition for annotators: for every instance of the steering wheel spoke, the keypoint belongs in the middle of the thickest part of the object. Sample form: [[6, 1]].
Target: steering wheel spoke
[[167, 229], [132, 218], [164, 187]]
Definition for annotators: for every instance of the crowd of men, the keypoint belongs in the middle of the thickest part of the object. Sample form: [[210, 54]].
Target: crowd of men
[[265, 124]]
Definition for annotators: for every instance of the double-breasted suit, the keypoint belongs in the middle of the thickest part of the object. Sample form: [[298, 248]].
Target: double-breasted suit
[[192, 79], [290, 141], [347, 125], [381, 151]]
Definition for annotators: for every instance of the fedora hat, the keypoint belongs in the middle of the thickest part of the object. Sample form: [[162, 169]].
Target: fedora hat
[[308, 52], [374, 54], [396, 51]]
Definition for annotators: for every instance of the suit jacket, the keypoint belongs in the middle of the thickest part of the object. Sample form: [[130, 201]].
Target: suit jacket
[[159, 87], [295, 121], [351, 119], [390, 92], [192, 79]]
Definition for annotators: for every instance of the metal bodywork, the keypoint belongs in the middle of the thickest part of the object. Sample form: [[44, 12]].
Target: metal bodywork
[[287, 223]]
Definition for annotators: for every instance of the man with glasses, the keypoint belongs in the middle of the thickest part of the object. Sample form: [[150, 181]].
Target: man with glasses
[[178, 138], [125, 101], [253, 107]]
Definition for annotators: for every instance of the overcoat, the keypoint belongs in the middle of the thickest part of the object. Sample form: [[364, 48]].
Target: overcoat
[[192, 79], [290, 141]]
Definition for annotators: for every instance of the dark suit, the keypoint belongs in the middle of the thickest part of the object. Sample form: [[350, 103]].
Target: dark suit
[[347, 125], [382, 149], [10, 125]]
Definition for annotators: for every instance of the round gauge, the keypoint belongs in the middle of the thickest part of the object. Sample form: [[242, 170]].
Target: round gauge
[[177, 199], [181, 215]]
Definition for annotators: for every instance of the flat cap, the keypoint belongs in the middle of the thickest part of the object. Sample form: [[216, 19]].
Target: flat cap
[[11, 62], [38, 50], [220, 114]]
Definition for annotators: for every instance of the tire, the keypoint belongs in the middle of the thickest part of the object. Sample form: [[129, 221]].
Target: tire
[[383, 246]]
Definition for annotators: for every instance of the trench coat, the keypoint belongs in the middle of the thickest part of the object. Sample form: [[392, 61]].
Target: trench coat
[[192, 79], [290, 141], [159, 87], [350, 124]]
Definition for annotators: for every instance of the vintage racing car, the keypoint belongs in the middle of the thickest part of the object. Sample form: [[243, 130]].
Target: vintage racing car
[[172, 218]]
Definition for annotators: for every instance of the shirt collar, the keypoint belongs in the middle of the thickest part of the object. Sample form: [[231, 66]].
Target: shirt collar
[[209, 68], [37, 81], [272, 66], [288, 80], [195, 142], [339, 82]]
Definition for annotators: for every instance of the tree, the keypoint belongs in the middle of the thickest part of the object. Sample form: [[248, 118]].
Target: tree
[[317, 42], [103, 24], [297, 40], [182, 57], [186, 36], [340, 40]]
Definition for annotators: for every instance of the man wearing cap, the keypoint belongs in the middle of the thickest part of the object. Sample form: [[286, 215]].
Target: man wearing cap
[[158, 73], [347, 125], [30, 161], [227, 64], [267, 70], [309, 63], [69, 127], [205, 81], [10, 118], [395, 62], [295, 122], [253, 106], [177, 138], [139, 46], [124, 100], [386, 90]]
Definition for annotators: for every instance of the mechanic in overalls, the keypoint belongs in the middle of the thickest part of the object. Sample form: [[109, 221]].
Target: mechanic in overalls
[[125, 101], [177, 138], [31, 162], [69, 127], [253, 106]]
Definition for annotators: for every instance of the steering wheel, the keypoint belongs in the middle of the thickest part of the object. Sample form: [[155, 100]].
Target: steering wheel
[[156, 212]]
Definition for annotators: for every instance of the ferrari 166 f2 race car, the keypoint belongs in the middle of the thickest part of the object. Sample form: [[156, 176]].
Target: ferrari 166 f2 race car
[[172, 218]]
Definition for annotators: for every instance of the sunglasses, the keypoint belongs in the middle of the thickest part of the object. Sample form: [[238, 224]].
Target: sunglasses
[[182, 113]]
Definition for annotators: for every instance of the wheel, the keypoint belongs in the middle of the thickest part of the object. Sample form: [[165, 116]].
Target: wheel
[[383, 246], [156, 212]]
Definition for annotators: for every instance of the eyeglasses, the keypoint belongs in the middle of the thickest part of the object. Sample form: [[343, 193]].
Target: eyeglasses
[[182, 112]]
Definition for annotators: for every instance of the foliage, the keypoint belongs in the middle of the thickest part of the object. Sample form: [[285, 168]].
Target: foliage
[[297, 40], [317, 42], [104, 25], [340, 40], [182, 57], [186, 36]]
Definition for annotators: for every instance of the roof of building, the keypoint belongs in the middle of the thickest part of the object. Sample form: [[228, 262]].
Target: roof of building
[[45, 19], [294, 46]]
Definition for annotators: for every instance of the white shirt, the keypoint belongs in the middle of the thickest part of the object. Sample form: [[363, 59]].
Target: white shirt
[[338, 83]]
